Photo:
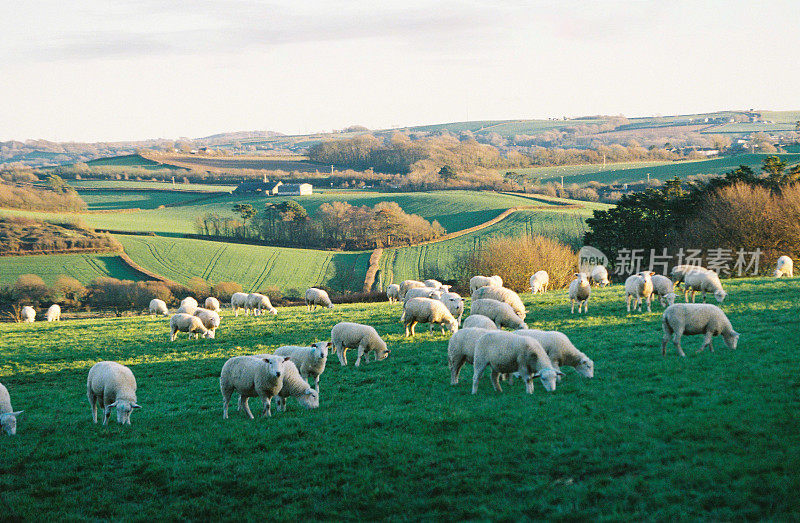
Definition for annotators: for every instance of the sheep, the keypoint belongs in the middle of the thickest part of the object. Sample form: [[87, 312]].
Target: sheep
[[664, 289], [310, 361], [158, 307], [479, 321], [579, 291], [433, 284], [347, 335], [257, 301], [679, 272], [111, 385], [500, 313], [704, 282], [639, 287], [539, 282], [476, 282], [599, 276], [316, 297], [507, 352], [561, 351], [393, 293], [501, 294], [239, 301], [461, 349], [409, 284], [294, 385], [210, 320], [696, 318], [426, 310], [8, 416], [28, 314], [53, 313], [454, 303], [212, 304], [187, 323], [784, 267], [421, 292], [251, 376], [188, 305]]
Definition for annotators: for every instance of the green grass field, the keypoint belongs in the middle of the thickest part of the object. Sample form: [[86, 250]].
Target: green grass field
[[709, 437], [141, 184], [115, 199], [83, 267], [127, 160]]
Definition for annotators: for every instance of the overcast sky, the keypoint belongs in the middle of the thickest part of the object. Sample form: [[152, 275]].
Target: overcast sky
[[113, 70]]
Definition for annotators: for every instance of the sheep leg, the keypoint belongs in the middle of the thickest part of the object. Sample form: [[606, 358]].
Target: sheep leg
[[586, 305], [173, 334], [93, 403], [693, 293], [496, 381], [361, 351], [226, 399], [476, 375], [649, 298], [628, 301], [267, 402], [666, 338], [572, 310], [676, 339], [707, 342], [341, 352], [244, 404], [455, 369], [106, 414]]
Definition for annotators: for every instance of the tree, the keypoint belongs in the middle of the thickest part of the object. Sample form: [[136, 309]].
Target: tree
[[773, 166], [57, 183], [447, 173], [246, 210]]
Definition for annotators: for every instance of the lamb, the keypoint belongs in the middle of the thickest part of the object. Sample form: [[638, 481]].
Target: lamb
[[212, 304], [501, 294], [500, 313], [111, 385], [784, 267], [696, 318], [256, 302], [461, 349], [479, 321], [27, 314], [393, 293], [53, 313], [426, 310], [561, 351], [639, 287], [239, 301], [188, 305], [454, 303], [421, 292], [704, 282], [8, 416], [295, 386], [310, 361], [316, 297], [210, 320], [679, 272], [664, 289], [507, 352], [409, 284], [539, 282], [579, 291], [158, 307], [599, 276], [476, 282], [187, 323], [347, 335], [251, 376]]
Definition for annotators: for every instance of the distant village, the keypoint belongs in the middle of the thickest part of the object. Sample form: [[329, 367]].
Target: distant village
[[268, 188]]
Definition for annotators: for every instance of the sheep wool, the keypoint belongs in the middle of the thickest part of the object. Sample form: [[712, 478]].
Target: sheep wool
[[181, 322], [8, 416], [506, 352], [239, 301], [405, 285], [111, 386], [479, 321], [27, 314], [561, 351], [476, 282], [704, 282], [461, 349], [539, 282], [784, 267], [664, 289], [426, 310], [53, 313], [251, 376], [599, 276], [310, 361], [393, 293], [257, 301], [210, 320], [639, 288], [694, 319], [158, 307], [212, 304], [499, 312], [501, 294], [316, 297], [579, 292], [346, 335], [296, 387]]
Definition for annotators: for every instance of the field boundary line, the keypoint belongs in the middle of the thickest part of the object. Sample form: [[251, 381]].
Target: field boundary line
[[150, 274]]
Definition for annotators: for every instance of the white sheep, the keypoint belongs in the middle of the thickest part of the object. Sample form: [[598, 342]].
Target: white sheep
[[188, 305], [239, 301], [422, 292], [187, 323], [298, 388], [703, 282], [579, 291], [507, 352], [316, 297], [210, 320], [664, 289], [476, 282], [257, 301], [784, 267], [426, 310], [696, 318], [679, 272], [599, 276], [212, 304], [479, 321], [501, 294], [393, 293], [405, 285], [499, 312], [346, 335], [639, 288], [310, 361], [8, 416], [433, 284], [251, 376], [461, 349], [53, 313], [111, 385], [539, 282], [158, 307], [27, 314], [454, 303], [561, 351]]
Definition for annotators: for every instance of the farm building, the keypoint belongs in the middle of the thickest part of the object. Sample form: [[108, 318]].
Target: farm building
[[264, 187], [295, 189]]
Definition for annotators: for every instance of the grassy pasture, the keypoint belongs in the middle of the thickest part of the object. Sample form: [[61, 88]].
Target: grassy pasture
[[709, 437], [127, 160], [143, 185], [83, 267], [103, 200]]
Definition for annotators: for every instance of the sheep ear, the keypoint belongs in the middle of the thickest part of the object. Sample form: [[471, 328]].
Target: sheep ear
[[287, 358], [577, 274], [136, 406], [17, 413], [309, 392], [652, 273], [266, 360], [537, 375], [112, 405], [329, 344], [559, 373]]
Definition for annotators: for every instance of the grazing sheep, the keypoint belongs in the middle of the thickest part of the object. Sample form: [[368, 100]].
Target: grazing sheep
[[111, 385], [454, 303], [599, 276], [188, 305], [499, 312], [187, 323], [27, 314], [405, 285], [501, 294], [461, 349], [53, 313], [433, 284], [251, 376], [704, 282], [784, 267], [426, 310], [310, 361], [298, 388], [579, 291], [239, 301], [679, 272], [316, 297], [664, 289], [539, 282], [8, 416], [507, 352], [422, 292], [639, 287], [479, 321], [210, 320], [257, 301], [212, 304], [696, 318], [476, 282], [158, 307], [561, 351], [347, 335], [393, 293]]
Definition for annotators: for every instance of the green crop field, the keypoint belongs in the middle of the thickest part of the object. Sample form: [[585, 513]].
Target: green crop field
[[80, 185], [83, 267], [128, 160], [115, 199], [709, 437]]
